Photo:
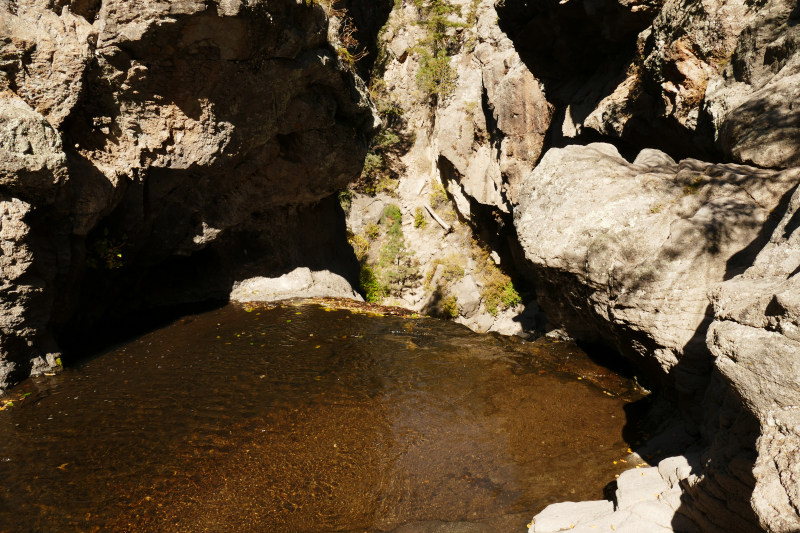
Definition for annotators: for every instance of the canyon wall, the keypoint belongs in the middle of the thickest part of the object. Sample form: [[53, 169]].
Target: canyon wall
[[661, 223], [635, 163], [647, 153], [153, 153]]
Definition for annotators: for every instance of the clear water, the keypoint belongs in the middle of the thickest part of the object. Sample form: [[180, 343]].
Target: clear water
[[301, 419]]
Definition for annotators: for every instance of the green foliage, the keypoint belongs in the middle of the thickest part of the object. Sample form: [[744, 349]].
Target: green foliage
[[436, 77], [346, 56], [498, 291], [386, 138], [105, 252], [419, 219], [372, 231], [450, 307], [373, 163], [395, 268], [360, 245], [452, 270], [438, 195], [435, 20], [392, 215], [374, 290], [345, 198], [472, 14]]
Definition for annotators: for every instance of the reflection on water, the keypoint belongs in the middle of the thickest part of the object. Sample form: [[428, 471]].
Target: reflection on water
[[301, 419]]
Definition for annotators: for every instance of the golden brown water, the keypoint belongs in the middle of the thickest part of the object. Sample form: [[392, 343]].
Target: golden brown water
[[298, 419]]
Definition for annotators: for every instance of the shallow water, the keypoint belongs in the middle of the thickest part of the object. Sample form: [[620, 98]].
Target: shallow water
[[301, 419]]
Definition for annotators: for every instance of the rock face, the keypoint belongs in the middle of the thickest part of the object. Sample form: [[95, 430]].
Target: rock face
[[158, 152], [627, 254], [457, 166], [299, 283], [755, 341]]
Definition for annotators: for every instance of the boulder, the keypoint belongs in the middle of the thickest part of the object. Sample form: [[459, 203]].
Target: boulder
[[468, 296], [624, 253], [299, 283], [756, 344]]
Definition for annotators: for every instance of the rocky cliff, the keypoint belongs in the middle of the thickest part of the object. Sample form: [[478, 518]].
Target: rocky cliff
[[682, 262], [159, 152], [629, 167], [647, 153]]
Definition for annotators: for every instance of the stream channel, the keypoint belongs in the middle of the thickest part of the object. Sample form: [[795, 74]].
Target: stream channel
[[302, 418]]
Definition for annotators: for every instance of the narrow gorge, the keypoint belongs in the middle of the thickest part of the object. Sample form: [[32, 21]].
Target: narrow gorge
[[604, 192]]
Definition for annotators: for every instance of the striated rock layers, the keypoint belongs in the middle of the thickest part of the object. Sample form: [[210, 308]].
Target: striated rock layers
[[159, 152]]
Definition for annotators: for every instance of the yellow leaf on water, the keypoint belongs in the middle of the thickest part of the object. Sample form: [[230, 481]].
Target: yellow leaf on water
[[62, 467], [317, 346]]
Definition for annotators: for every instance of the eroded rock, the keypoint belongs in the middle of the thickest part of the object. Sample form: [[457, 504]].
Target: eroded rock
[[624, 253], [159, 152]]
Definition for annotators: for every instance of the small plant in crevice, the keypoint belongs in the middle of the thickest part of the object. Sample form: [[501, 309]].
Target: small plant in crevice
[[419, 219], [438, 197], [395, 267], [450, 307], [498, 291], [345, 198], [372, 231], [453, 268], [105, 252], [360, 245]]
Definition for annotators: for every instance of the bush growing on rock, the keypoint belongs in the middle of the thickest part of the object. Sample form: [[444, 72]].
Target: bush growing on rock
[[419, 219], [436, 78], [450, 307], [498, 291], [395, 268]]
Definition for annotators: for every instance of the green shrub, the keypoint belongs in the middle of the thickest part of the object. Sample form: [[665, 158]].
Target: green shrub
[[372, 231], [438, 195], [419, 219], [452, 269], [374, 290], [386, 138], [373, 163], [345, 198], [472, 14], [436, 77], [450, 307], [360, 245]]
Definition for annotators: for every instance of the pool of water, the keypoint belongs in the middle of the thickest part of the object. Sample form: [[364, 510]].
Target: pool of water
[[299, 418]]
